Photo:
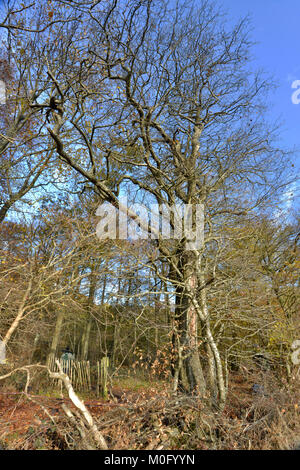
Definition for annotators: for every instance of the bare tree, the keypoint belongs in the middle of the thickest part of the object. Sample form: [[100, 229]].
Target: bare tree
[[161, 99]]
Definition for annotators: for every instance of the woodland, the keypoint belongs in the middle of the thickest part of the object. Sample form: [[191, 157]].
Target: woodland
[[143, 343]]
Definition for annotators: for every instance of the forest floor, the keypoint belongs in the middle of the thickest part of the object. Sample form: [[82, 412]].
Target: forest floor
[[28, 422], [23, 418]]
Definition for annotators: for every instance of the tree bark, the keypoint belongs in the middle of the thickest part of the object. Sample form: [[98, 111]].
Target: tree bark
[[55, 339], [88, 327], [21, 311], [190, 373], [216, 375]]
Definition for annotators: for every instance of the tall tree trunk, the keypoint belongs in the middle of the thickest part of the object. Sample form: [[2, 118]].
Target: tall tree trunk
[[189, 375], [190, 311], [116, 337], [86, 338], [215, 373], [55, 339], [88, 326], [102, 348], [156, 314]]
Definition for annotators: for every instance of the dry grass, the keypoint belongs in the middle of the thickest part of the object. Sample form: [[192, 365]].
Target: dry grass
[[144, 415]]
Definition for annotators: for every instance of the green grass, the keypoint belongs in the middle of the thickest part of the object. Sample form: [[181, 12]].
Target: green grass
[[137, 383]]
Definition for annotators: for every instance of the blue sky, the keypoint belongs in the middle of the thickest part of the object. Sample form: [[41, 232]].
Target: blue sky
[[276, 29]]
